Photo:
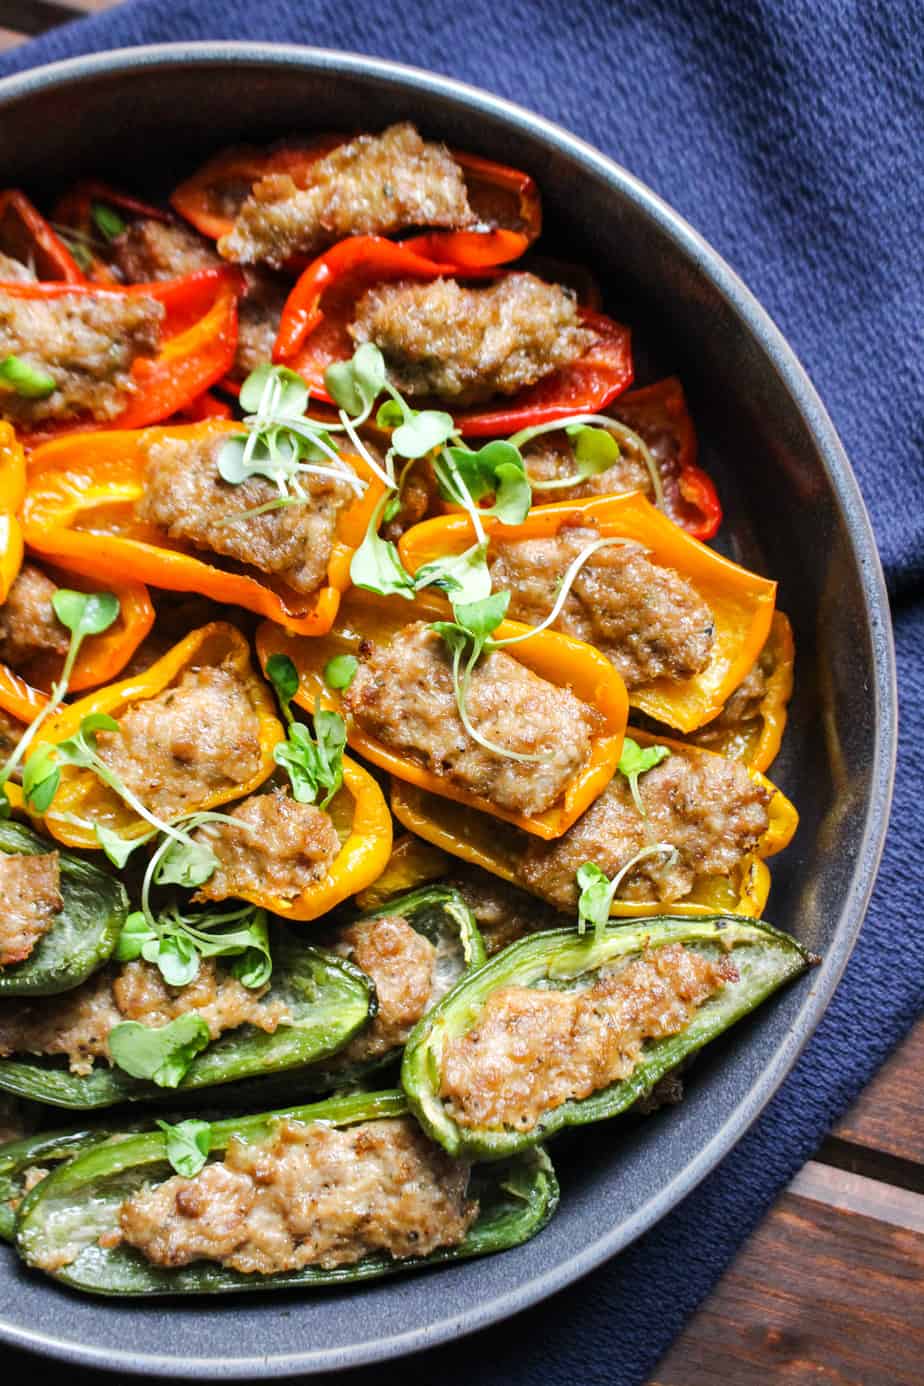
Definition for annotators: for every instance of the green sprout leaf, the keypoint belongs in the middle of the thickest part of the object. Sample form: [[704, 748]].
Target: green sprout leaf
[[291, 397], [187, 864], [595, 899], [175, 956], [354, 385], [314, 764], [118, 849], [85, 613], [482, 618], [340, 671], [464, 577], [162, 1055], [136, 932], [28, 381], [187, 1145], [376, 564], [421, 432], [106, 220], [391, 414], [497, 470], [595, 449], [634, 761], [40, 779], [283, 675]]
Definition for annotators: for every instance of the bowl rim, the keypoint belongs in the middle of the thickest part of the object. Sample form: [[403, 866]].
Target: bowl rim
[[805, 400]]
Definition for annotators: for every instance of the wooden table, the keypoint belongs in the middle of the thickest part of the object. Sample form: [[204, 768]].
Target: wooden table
[[830, 1288]]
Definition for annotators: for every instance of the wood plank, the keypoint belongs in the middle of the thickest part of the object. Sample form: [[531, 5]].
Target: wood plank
[[888, 1116], [819, 1294]]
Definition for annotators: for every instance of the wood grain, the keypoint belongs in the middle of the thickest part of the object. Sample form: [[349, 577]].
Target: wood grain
[[818, 1295], [889, 1115]]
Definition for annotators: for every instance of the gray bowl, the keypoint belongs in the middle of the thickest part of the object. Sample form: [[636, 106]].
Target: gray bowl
[[793, 510]]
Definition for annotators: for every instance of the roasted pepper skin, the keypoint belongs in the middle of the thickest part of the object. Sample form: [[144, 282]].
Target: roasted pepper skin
[[25, 235], [203, 200], [82, 936], [741, 602], [80, 793], [198, 343], [313, 334], [37, 1151], [361, 815], [517, 1200], [660, 411], [12, 494], [80, 484], [329, 1000], [765, 958], [555, 657], [496, 847]]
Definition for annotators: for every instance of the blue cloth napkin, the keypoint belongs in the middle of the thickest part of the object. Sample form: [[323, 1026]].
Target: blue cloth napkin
[[791, 135]]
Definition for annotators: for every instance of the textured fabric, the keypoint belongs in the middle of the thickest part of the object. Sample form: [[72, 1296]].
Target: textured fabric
[[790, 134]]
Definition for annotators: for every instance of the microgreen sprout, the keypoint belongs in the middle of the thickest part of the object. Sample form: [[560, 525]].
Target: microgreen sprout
[[107, 220], [161, 1054], [340, 671], [312, 763], [187, 1145], [634, 761], [593, 455], [598, 892], [26, 380], [174, 941], [83, 614]]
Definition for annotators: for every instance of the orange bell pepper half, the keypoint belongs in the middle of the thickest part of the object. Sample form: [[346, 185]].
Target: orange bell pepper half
[[198, 343], [482, 841], [363, 823], [659, 415], [12, 493], [756, 739], [557, 658], [25, 235], [80, 794], [75, 211], [80, 511], [313, 333], [212, 198], [741, 602]]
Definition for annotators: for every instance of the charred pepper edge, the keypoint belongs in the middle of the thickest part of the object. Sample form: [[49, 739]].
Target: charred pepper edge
[[420, 1073], [520, 1218], [27, 1076], [79, 879]]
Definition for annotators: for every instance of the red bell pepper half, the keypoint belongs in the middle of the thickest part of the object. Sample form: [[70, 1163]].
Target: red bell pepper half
[[505, 199], [314, 332], [75, 210], [198, 343], [659, 415], [25, 235]]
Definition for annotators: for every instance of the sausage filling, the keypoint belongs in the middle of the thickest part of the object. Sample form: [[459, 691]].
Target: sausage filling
[[402, 966], [648, 620], [185, 495], [149, 250], [30, 901], [28, 624], [466, 345], [374, 184], [77, 1023], [197, 739], [281, 848], [707, 807], [87, 344], [403, 695], [311, 1196], [532, 1049]]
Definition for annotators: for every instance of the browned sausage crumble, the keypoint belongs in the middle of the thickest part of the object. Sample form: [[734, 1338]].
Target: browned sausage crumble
[[465, 344], [30, 901], [647, 619], [402, 966], [281, 848], [28, 624], [533, 1049], [198, 738], [77, 1023], [185, 495], [374, 184], [311, 1196], [403, 695], [706, 806], [149, 250], [86, 343]]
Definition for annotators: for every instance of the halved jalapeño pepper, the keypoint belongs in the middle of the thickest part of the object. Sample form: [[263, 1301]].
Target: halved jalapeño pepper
[[82, 933], [23, 1163], [76, 1224], [414, 948], [562, 1029], [324, 1001]]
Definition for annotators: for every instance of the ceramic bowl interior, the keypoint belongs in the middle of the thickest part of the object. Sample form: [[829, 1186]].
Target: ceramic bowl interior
[[144, 118]]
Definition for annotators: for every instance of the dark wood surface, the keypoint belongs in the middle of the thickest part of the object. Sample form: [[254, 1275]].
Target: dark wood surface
[[830, 1288]]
